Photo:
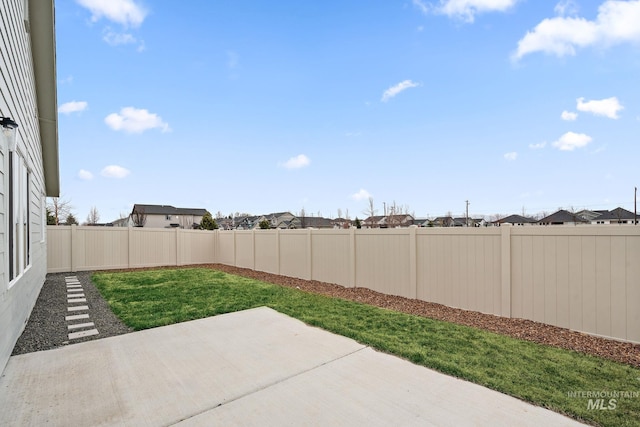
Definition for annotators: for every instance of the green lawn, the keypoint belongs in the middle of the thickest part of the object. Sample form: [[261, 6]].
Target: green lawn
[[536, 373]]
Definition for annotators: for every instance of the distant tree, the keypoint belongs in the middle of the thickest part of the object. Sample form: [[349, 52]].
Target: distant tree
[[94, 216], [370, 211], [303, 221], [51, 220], [59, 208], [358, 224], [264, 224], [71, 220], [339, 213], [139, 217], [208, 223]]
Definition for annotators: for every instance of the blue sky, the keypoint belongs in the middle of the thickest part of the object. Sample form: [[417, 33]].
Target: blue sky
[[264, 106]]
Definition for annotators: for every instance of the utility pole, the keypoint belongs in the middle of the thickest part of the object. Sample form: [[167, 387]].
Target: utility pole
[[635, 206], [467, 214]]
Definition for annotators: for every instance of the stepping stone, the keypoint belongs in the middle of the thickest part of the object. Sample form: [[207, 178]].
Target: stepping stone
[[76, 317], [74, 286], [75, 290], [73, 283], [81, 325], [75, 295], [81, 334], [71, 301], [78, 308]]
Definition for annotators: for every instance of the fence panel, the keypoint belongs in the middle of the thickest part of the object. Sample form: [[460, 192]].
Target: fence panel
[[382, 261], [59, 249], [583, 278], [331, 257], [244, 249], [294, 253], [460, 268], [267, 251]]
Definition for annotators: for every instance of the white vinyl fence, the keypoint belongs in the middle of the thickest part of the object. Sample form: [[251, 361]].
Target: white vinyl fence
[[585, 278]]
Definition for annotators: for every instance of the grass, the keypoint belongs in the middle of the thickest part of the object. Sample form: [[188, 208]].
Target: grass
[[535, 373]]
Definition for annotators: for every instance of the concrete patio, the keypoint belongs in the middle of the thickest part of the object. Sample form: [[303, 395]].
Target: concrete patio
[[256, 367]]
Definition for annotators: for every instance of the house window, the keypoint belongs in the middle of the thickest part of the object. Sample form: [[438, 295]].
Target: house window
[[19, 242], [167, 217]]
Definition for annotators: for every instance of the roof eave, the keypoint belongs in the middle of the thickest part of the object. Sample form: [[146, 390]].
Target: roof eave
[[43, 47]]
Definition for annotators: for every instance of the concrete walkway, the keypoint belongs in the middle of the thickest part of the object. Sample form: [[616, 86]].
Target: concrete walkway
[[256, 368]]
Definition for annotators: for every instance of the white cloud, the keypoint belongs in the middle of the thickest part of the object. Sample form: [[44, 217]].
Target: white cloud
[[113, 38], [394, 90], [296, 162], [72, 107], [85, 175], [125, 12], [566, 7], [114, 171], [135, 120], [466, 10], [569, 116], [617, 22], [604, 107], [538, 146], [361, 195], [511, 156], [571, 140], [66, 80], [422, 6]]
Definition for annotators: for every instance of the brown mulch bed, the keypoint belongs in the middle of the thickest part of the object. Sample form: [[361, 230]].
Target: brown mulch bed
[[529, 330]]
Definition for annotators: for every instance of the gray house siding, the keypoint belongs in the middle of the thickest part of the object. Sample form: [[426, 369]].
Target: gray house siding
[[22, 32]]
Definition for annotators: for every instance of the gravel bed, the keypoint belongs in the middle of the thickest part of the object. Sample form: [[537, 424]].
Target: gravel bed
[[47, 327]]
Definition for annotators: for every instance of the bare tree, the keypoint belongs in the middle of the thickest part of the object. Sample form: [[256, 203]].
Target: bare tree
[[339, 213], [370, 212], [60, 208], [93, 217], [303, 221], [139, 217]]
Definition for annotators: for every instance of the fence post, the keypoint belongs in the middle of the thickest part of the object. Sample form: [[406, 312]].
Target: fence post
[[74, 248], [309, 255], [352, 258], [178, 239], [253, 248], [505, 266], [277, 251], [129, 246], [413, 261]]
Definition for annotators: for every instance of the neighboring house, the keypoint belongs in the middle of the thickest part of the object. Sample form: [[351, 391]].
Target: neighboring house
[[515, 220], [123, 222], [591, 216], [562, 217], [373, 221], [165, 216], [314, 222], [616, 216], [388, 221], [280, 220], [443, 221], [341, 223], [29, 168]]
